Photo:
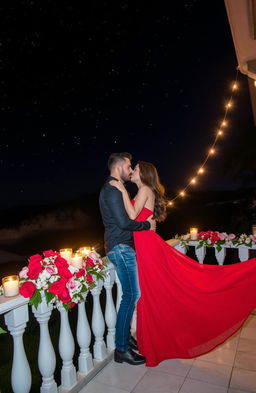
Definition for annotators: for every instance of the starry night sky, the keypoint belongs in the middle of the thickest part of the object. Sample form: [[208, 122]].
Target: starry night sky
[[82, 79]]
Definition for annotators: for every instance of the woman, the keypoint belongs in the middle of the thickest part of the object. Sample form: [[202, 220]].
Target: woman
[[186, 308]]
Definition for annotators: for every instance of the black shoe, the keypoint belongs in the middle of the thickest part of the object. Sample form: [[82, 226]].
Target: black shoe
[[133, 343], [129, 356]]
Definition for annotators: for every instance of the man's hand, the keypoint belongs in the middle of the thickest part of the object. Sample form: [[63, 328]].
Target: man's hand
[[152, 223]]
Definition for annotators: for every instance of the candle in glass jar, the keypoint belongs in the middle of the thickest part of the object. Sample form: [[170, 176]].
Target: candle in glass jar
[[77, 261], [254, 230], [66, 253], [10, 285], [85, 251], [193, 233]]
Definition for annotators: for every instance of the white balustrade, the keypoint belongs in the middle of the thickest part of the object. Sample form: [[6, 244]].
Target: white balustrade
[[83, 332], [98, 324], [46, 354], [16, 321], [66, 350], [243, 251], [110, 311]]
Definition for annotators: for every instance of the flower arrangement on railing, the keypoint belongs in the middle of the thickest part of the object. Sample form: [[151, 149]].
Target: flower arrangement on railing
[[218, 239], [52, 276]]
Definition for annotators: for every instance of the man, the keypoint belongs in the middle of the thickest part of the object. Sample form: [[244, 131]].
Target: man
[[119, 248]]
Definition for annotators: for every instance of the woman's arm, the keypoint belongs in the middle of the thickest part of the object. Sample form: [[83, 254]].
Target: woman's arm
[[132, 210]]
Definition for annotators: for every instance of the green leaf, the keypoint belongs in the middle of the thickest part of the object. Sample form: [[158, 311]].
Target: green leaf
[[36, 298], [2, 331], [218, 247], [49, 296]]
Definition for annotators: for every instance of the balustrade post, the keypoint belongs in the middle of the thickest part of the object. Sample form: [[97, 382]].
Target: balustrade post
[[200, 253], [110, 311], [16, 321], [98, 324], [66, 349], [46, 354], [119, 292], [243, 253], [83, 333], [220, 255]]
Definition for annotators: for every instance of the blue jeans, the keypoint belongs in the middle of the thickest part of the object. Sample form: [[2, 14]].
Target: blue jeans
[[124, 259]]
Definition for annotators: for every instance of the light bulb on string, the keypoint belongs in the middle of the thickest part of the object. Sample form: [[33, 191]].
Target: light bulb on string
[[219, 132]]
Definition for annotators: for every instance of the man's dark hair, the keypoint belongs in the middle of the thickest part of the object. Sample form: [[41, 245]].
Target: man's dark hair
[[116, 157]]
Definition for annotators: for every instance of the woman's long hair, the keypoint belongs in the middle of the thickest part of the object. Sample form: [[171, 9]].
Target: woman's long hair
[[149, 177]]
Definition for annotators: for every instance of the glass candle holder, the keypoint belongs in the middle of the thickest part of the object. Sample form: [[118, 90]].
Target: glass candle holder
[[77, 261], [85, 251], [193, 233], [10, 285], [66, 253], [254, 229]]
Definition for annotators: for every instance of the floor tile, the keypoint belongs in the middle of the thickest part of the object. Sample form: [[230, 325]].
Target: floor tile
[[248, 332], [214, 373], [243, 380], [247, 344], [96, 387], [175, 366], [192, 386], [237, 391], [156, 382], [220, 355], [245, 360], [231, 343], [250, 322], [122, 376]]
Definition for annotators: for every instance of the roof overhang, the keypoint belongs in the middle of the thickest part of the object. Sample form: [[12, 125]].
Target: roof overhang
[[242, 20]]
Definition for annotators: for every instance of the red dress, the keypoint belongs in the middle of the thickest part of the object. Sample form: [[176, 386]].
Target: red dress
[[186, 308]]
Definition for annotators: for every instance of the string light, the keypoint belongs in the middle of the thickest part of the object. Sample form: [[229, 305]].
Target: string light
[[212, 150]]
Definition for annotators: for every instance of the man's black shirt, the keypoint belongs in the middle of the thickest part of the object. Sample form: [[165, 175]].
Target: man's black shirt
[[118, 226]]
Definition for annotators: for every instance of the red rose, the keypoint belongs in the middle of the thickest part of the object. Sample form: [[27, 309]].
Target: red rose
[[34, 269], [50, 253], [71, 305], [89, 278], [60, 262], [35, 258], [27, 289], [89, 262], [57, 286], [65, 273], [80, 273], [64, 296]]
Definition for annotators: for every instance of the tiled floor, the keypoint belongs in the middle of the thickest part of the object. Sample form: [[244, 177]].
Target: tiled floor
[[231, 368]]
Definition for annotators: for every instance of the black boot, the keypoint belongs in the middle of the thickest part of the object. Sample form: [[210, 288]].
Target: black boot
[[133, 343], [129, 356]]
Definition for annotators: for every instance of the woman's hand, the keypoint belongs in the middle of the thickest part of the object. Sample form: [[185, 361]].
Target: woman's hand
[[118, 184]]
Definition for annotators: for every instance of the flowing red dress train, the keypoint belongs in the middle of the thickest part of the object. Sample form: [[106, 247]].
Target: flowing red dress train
[[186, 308]]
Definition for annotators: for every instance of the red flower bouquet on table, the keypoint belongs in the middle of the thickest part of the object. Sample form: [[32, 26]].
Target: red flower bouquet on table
[[51, 275]]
